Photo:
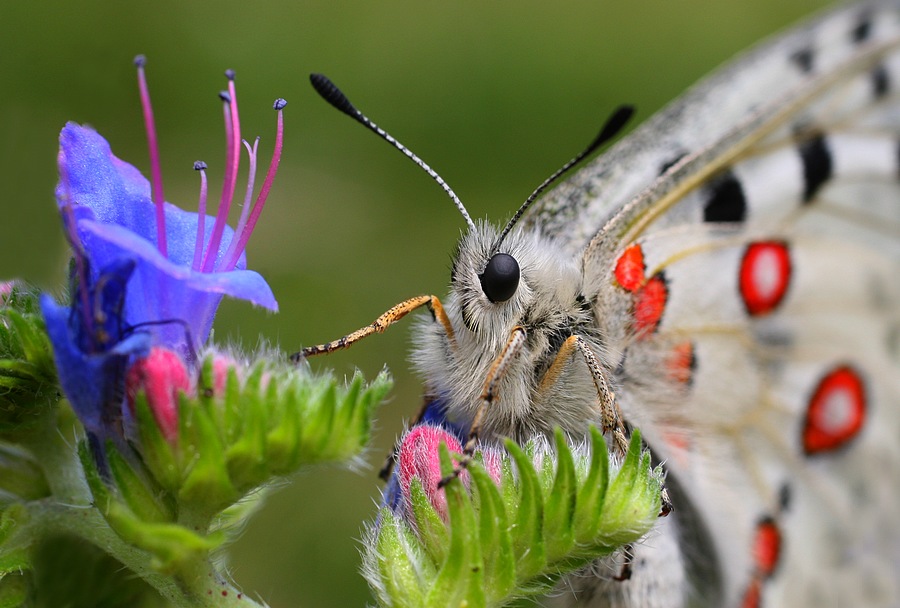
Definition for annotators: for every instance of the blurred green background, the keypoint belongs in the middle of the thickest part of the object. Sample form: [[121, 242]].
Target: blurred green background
[[495, 95]]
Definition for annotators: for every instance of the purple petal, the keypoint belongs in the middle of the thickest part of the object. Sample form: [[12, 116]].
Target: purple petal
[[163, 291], [116, 219], [92, 382]]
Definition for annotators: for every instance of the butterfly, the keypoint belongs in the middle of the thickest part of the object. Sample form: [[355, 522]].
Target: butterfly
[[727, 279]]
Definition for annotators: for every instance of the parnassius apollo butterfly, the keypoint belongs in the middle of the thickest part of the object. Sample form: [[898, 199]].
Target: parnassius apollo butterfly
[[728, 278]]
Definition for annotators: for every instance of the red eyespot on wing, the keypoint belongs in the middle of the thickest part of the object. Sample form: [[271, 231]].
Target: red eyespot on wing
[[765, 275], [681, 362], [649, 304], [752, 596], [836, 411], [630, 268], [766, 547]]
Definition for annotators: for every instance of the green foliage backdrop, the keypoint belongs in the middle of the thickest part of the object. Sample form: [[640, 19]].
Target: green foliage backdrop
[[494, 95]]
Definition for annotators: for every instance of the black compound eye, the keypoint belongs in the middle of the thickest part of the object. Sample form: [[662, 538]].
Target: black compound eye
[[500, 277]]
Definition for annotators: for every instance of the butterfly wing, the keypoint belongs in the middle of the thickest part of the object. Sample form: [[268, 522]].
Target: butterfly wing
[[751, 301]]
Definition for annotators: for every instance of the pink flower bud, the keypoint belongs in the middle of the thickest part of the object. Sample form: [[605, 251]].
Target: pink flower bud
[[161, 375], [419, 458]]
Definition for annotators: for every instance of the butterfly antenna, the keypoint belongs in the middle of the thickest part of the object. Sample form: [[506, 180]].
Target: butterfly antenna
[[610, 129], [333, 95]]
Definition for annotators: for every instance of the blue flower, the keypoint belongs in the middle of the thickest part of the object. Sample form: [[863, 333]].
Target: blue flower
[[118, 221], [92, 348], [146, 273]]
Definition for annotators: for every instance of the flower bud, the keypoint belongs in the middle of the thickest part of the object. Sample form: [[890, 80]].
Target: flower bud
[[161, 375], [418, 458]]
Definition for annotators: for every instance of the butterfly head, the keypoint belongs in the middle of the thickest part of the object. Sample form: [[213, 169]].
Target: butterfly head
[[498, 287]]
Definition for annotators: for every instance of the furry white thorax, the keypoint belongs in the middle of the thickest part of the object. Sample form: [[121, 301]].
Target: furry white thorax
[[546, 304]]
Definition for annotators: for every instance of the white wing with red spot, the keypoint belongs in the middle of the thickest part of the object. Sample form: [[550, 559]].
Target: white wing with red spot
[[742, 254]]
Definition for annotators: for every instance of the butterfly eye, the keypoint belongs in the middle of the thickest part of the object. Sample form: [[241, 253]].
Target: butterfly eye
[[500, 277]]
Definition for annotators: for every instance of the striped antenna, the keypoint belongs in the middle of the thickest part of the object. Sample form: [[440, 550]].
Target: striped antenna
[[333, 95], [610, 129]]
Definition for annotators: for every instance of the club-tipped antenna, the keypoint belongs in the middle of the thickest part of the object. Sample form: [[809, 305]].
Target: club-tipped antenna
[[610, 129], [333, 95]]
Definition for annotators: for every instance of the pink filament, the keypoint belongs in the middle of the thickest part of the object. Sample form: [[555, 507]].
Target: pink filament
[[245, 209], [155, 171], [201, 219], [229, 184], [247, 230]]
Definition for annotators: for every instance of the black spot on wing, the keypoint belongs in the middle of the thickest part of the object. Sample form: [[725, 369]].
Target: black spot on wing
[[817, 164], [784, 497], [862, 30], [803, 59], [881, 82], [725, 201]]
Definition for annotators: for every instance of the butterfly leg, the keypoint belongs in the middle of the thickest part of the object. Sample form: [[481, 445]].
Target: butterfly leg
[[394, 314], [513, 347], [610, 415]]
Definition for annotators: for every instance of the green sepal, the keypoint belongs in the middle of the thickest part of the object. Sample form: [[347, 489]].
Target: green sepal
[[317, 412], [283, 440], [460, 580], [270, 419], [207, 487], [559, 533], [632, 501], [593, 490], [28, 381], [495, 538], [528, 537], [246, 456], [102, 495], [401, 566], [137, 489], [156, 451], [432, 530]]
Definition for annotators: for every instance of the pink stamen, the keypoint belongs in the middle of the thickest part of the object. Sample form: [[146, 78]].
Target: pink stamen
[[155, 171], [229, 150], [201, 215], [230, 179], [248, 194], [247, 230]]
